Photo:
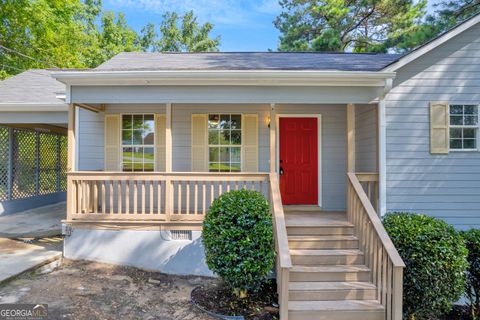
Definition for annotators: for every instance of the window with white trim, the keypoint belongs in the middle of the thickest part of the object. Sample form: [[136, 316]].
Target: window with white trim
[[224, 142], [138, 142], [463, 127]]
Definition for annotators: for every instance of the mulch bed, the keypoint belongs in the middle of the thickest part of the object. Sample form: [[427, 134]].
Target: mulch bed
[[219, 299]]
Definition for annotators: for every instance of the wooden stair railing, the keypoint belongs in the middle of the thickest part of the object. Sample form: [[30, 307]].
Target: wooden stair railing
[[381, 256], [284, 261], [369, 182]]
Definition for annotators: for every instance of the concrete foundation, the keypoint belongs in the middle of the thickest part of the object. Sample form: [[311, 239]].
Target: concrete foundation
[[148, 250]]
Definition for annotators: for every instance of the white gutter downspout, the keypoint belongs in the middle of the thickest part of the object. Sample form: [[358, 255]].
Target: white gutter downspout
[[382, 148]]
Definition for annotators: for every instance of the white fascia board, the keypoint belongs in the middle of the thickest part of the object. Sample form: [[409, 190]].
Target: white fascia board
[[415, 54], [225, 78], [32, 107]]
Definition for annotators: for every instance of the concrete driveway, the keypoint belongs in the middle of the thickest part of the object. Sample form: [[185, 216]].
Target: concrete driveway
[[17, 257], [35, 223]]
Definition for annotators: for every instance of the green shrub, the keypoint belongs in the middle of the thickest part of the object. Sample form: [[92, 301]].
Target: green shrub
[[435, 257], [472, 241], [238, 239]]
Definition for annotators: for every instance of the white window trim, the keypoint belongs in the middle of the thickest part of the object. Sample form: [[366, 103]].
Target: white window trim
[[319, 145], [226, 146], [462, 126], [154, 145]]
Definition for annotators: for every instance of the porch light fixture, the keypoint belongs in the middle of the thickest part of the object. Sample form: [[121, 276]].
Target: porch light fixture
[[267, 121]]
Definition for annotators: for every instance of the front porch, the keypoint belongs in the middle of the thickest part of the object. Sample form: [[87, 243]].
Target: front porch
[[175, 196]]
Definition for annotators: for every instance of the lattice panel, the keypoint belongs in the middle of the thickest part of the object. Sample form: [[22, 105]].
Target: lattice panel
[[48, 164], [4, 143], [24, 163], [63, 162]]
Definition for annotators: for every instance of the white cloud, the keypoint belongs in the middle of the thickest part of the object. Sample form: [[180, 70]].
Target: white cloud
[[225, 12]]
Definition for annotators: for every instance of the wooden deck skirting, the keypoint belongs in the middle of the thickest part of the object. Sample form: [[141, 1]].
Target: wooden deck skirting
[[381, 255]]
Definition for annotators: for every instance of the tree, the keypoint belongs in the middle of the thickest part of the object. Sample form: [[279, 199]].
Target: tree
[[447, 14], [79, 34], [341, 25], [39, 34], [183, 33]]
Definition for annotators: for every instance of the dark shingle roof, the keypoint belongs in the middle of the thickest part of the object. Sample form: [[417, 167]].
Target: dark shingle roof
[[131, 61], [34, 86]]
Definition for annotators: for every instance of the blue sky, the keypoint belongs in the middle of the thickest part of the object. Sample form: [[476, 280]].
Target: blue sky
[[244, 25]]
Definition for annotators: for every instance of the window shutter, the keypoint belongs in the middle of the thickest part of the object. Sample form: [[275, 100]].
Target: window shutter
[[439, 127], [199, 143], [250, 142], [160, 127], [112, 142]]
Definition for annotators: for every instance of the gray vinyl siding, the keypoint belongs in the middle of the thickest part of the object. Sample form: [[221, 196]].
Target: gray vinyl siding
[[91, 132], [445, 186], [223, 94], [366, 138], [333, 135]]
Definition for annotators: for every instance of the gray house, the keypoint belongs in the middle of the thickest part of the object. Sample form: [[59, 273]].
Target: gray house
[[333, 140]]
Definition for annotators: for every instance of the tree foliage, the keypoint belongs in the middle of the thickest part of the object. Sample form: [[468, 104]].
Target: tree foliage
[[339, 25], [183, 33], [366, 25], [80, 34]]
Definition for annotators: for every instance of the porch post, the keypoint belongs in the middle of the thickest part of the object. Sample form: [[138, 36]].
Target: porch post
[[351, 137], [168, 163], [382, 157], [71, 147], [273, 139], [168, 139], [71, 138]]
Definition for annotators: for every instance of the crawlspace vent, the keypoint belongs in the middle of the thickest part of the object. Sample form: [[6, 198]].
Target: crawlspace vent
[[181, 234]]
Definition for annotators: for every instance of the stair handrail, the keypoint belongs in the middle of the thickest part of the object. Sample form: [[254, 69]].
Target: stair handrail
[[376, 222], [284, 260], [384, 261]]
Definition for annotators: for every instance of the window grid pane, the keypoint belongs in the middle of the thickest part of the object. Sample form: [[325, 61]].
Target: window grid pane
[[224, 132], [138, 139], [464, 126]]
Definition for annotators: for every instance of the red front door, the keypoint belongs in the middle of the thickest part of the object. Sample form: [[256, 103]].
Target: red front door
[[299, 160]]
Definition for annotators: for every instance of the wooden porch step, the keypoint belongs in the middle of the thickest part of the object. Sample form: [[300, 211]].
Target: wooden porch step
[[318, 223], [330, 273], [323, 242], [336, 310], [326, 291], [313, 219], [319, 230], [327, 257]]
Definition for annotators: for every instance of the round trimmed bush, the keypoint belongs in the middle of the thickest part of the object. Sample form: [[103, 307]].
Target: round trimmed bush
[[435, 258], [472, 241], [238, 239]]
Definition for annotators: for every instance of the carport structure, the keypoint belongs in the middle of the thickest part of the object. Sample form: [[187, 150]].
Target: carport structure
[[33, 143]]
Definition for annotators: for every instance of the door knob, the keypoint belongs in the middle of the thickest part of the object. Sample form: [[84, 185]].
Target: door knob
[[281, 171]]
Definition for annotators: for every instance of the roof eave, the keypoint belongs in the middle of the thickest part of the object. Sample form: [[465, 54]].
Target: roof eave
[[32, 107], [226, 77]]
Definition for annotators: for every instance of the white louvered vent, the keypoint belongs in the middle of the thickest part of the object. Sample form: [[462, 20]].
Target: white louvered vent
[[181, 234]]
